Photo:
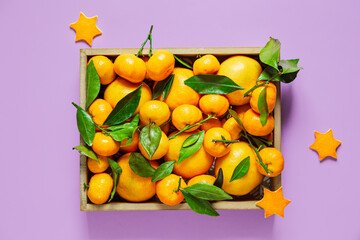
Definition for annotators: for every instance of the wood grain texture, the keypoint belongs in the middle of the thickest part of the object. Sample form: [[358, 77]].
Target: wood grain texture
[[85, 54]]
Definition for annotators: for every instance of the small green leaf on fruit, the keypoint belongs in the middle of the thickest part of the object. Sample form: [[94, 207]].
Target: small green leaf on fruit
[[289, 77], [116, 172], [83, 150], [140, 165], [269, 73], [289, 66], [199, 205], [192, 139], [191, 145], [220, 178], [263, 106], [125, 108], [236, 117], [92, 84], [207, 191], [163, 87], [150, 137], [212, 84], [125, 130], [85, 124], [241, 169], [163, 171], [270, 54]]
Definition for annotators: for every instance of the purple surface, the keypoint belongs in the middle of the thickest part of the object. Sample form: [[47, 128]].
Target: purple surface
[[40, 77]]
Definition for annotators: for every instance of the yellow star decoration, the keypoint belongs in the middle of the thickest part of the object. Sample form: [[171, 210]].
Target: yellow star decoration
[[273, 202], [325, 144], [85, 28]]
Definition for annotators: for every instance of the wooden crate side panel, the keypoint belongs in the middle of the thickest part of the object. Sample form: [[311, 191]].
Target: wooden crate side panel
[[125, 206], [275, 182], [83, 159], [179, 51]]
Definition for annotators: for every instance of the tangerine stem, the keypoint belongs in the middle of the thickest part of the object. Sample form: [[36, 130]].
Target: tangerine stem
[[262, 84], [143, 45], [225, 141], [178, 188], [187, 127], [258, 155], [253, 88]]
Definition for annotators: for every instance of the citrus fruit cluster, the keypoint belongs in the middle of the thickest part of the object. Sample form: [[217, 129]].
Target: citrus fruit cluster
[[177, 132]]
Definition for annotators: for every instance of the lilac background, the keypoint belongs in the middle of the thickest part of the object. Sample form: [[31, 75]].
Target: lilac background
[[40, 77]]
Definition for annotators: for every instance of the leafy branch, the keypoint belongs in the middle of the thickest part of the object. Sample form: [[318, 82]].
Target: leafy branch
[[276, 71], [149, 38], [187, 127]]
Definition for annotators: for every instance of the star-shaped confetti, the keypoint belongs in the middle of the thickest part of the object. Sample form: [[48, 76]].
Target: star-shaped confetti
[[273, 202], [325, 144], [85, 28]]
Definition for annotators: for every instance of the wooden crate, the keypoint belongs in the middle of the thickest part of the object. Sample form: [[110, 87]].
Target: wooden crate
[[221, 53]]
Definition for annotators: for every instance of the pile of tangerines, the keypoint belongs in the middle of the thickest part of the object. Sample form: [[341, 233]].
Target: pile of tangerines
[[183, 113]]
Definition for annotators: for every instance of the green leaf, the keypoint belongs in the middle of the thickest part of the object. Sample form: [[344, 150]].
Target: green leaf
[[241, 169], [140, 165], [212, 84], [116, 172], [149, 138], [92, 84], [199, 205], [236, 117], [85, 125], [124, 131], [288, 78], [258, 143], [270, 54], [189, 149], [163, 171], [267, 73], [207, 191], [183, 63], [191, 140], [134, 122], [125, 108], [289, 66], [163, 87], [220, 178], [83, 150], [263, 107]]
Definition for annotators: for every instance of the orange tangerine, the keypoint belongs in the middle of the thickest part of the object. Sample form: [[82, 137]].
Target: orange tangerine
[[274, 160], [214, 104], [216, 149], [96, 167], [105, 145], [166, 190], [160, 65], [130, 67], [104, 68], [270, 97], [202, 179], [185, 115], [162, 149], [253, 125], [119, 88], [207, 64]]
